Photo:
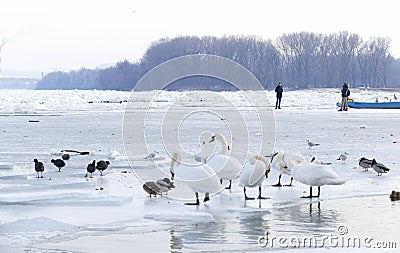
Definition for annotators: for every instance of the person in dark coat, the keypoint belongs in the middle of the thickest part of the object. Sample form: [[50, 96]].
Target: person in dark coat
[[345, 95], [279, 91]]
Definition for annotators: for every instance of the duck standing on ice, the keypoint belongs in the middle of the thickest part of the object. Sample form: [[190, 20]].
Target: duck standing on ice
[[91, 168], [159, 187], [365, 163], [58, 163], [379, 167], [102, 166], [39, 167]]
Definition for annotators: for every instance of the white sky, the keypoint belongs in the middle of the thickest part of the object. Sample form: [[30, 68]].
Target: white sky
[[47, 35]]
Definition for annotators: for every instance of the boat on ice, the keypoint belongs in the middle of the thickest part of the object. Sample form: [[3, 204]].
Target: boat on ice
[[372, 105]]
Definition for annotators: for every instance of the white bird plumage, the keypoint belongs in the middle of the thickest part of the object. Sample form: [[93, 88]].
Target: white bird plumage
[[284, 162], [199, 177], [226, 167], [312, 144], [151, 155], [313, 174], [343, 157], [253, 174]]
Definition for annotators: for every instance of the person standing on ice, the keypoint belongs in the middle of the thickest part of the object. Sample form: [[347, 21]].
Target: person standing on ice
[[345, 94], [279, 91]]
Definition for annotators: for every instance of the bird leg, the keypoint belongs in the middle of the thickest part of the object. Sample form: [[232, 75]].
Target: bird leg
[[230, 185], [220, 180], [245, 196], [38, 175], [206, 197], [311, 196], [41, 174], [291, 182], [279, 181], [259, 194], [197, 201]]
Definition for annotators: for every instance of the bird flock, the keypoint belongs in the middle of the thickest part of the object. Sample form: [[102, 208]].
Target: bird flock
[[60, 164], [208, 176]]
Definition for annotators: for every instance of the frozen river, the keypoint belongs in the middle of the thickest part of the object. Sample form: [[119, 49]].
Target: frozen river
[[66, 212]]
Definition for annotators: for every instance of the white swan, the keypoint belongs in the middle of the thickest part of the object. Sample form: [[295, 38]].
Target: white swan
[[314, 174], [226, 167], [284, 162], [253, 174], [200, 178]]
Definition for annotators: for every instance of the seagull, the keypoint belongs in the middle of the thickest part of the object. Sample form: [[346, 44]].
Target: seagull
[[316, 161], [311, 144], [379, 167], [200, 159], [343, 157], [39, 168], [151, 155], [365, 163], [102, 165], [91, 168], [58, 163]]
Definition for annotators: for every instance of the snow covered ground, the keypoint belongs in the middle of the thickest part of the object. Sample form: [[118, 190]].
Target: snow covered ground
[[66, 212]]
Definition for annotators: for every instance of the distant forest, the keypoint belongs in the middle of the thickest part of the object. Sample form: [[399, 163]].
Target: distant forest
[[298, 60]]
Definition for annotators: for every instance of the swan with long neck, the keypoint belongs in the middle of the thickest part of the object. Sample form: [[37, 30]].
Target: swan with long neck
[[313, 174], [254, 173], [200, 178], [226, 167]]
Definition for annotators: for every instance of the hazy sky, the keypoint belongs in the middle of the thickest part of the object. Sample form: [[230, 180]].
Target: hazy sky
[[47, 35]]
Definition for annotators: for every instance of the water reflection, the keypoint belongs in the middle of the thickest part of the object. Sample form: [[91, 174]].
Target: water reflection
[[199, 236], [251, 227], [309, 219], [239, 229]]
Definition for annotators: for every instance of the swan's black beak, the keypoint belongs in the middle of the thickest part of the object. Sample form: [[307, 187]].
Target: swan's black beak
[[267, 171], [212, 139], [172, 174]]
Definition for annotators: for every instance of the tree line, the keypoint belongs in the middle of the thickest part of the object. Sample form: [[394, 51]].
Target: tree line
[[299, 60]]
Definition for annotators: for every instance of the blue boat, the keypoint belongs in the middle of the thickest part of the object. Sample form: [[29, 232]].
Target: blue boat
[[372, 105]]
